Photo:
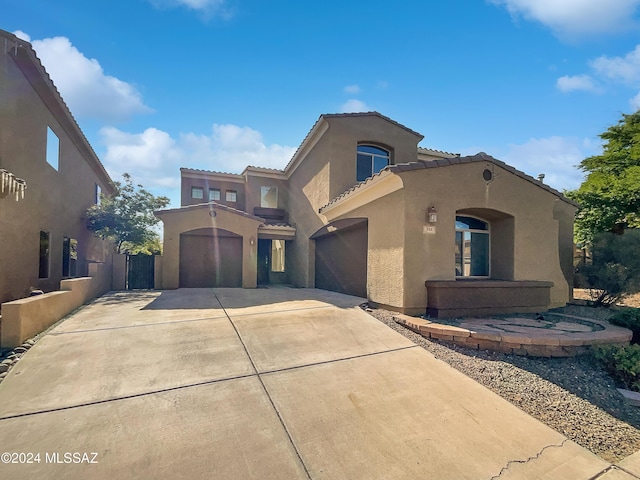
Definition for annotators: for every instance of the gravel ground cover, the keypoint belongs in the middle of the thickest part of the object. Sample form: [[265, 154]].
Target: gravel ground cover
[[574, 395]]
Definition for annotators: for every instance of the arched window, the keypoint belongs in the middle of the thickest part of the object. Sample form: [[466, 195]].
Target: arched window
[[370, 160], [472, 247]]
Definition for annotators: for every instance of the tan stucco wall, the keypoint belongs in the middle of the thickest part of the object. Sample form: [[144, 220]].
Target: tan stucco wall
[[26, 317], [55, 201], [530, 232], [206, 183], [253, 189], [184, 220], [542, 225], [328, 170]]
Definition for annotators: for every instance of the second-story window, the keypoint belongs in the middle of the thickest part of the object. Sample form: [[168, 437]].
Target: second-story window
[[231, 196], [214, 194], [197, 192], [269, 197], [370, 160], [53, 149]]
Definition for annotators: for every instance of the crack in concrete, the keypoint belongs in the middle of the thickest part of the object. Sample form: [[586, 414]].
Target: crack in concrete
[[535, 457]]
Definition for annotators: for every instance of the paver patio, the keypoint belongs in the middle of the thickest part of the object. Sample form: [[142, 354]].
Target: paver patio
[[266, 383]]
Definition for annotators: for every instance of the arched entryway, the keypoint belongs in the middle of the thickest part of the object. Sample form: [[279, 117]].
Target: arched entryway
[[341, 256]]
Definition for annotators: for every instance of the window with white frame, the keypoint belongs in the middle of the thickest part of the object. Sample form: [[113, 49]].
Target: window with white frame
[[231, 196], [370, 160], [269, 197], [214, 194], [98, 193], [472, 247], [277, 255], [197, 193]]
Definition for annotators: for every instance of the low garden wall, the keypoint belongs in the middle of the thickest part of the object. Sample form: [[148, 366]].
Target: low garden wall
[[26, 317]]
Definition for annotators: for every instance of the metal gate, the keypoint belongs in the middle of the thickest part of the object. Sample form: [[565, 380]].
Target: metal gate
[[140, 272]]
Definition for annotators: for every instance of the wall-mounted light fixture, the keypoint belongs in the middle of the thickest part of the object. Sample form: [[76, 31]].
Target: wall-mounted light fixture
[[252, 241], [432, 214], [9, 183]]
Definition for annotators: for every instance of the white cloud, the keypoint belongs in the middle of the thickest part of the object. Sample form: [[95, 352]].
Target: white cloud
[[208, 7], [154, 158], [354, 106], [83, 84], [622, 69], [576, 82], [576, 18], [556, 157], [352, 89], [23, 36], [609, 70]]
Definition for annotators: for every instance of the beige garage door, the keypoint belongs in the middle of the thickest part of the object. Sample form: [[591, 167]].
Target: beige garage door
[[341, 261], [208, 260]]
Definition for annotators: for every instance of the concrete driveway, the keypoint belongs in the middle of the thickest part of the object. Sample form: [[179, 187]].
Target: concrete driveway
[[259, 384]]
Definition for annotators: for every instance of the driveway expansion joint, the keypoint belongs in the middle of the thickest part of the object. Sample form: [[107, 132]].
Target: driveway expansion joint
[[266, 391], [125, 327], [534, 457], [335, 360], [618, 467], [126, 397]]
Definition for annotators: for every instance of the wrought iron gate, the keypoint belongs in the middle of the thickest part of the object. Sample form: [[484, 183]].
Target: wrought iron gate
[[140, 271]]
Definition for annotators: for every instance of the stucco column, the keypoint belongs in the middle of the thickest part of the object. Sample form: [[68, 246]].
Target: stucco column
[[250, 260]]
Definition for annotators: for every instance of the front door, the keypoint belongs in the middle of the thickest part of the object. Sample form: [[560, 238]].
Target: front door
[[264, 261]]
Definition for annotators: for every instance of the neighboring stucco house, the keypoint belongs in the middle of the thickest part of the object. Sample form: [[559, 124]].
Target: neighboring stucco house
[[42, 232], [361, 209]]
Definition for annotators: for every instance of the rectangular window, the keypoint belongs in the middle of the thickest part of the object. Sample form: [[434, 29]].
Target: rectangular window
[[69, 257], [277, 255], [231, 196], [197, 192], [214, 194], [268, 197], [53, 149], [43, 271], [98, 193]]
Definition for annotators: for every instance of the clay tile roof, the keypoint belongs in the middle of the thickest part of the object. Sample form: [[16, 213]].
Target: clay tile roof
[[357, 186], [198, 170], [479, 157], [343, 115], [281, 225], [21, 49], [371, 114], [210, 205], [433, 151]]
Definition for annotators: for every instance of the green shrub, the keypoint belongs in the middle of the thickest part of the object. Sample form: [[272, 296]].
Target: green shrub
[[614, 268], [622, 362], [628, 318]]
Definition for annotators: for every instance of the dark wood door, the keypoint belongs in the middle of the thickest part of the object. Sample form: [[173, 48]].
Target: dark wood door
[[264, 260]]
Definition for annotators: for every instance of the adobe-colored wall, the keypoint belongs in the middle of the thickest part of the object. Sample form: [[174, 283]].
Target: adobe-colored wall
[[26, 317], [206, 183], [539, 223], [252, 192], [185, 220], [327, 171], [55, 201]]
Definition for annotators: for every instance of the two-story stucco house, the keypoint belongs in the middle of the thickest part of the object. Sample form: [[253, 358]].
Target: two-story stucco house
[[43, 234], [361, 209]]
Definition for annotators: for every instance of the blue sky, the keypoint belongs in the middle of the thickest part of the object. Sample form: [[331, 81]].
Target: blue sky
[[220, 84]]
